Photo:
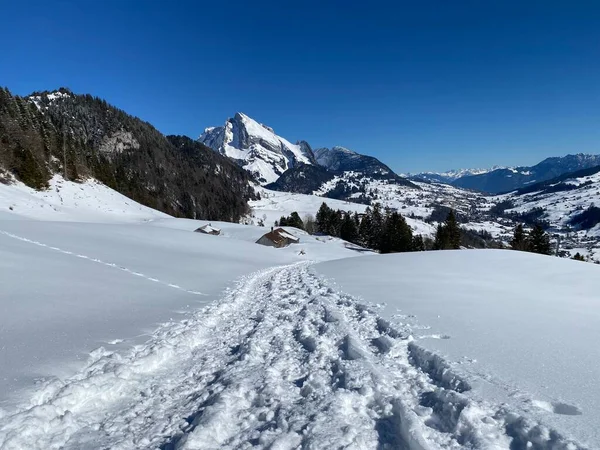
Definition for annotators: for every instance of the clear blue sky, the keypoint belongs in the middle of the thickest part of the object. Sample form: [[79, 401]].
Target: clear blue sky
[[422, 85]]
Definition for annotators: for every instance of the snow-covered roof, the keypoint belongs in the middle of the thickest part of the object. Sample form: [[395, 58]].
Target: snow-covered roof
[[209, 229], [286, 235]]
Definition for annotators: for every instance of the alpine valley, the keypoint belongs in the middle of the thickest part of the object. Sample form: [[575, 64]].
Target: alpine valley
[[243, 171], [559, 192], [139, 309]]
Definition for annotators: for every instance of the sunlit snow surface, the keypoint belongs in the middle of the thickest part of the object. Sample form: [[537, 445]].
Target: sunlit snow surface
[[122, 328], [81, 266], [521, 329]]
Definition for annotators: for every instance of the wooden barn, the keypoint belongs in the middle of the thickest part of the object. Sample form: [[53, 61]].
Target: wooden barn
[[278, 238], [208, 229]]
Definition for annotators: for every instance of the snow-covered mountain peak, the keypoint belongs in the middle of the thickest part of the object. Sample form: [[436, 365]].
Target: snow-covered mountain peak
[[256, 147], [458, 173], [451, 175]]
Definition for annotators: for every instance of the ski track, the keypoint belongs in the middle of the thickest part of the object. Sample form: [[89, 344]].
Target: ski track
[[282, 361], [99, 261]]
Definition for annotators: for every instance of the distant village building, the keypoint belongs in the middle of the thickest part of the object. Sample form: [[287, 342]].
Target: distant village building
[[208, 229], [278, 238]]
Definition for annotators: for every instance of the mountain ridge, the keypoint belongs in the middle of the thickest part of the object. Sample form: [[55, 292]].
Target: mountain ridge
[[509, 179], [81, 136]]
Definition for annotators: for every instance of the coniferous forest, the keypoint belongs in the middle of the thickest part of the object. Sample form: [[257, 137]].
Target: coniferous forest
[[82, 136]]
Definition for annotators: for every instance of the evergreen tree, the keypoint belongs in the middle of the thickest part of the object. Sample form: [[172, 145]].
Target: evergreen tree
[[519, 242], [377, 223], [323, 217], [293, 220], [452, 231], [348, 229], [335, 222], [396, 235], [418, 245], [441, 241], [538, 241], [447, 236], [364, 229], [578, 257]]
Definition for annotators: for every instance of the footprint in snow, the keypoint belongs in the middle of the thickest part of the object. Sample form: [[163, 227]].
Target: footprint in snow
[[558, 408]]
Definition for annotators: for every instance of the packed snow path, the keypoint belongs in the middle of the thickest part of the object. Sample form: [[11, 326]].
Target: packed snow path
[[283, 361]]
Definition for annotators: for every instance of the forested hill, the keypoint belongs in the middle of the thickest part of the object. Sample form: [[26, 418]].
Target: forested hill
[[83, 136]]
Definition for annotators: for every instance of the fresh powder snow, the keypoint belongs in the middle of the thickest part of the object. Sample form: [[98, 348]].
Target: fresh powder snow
[[122, 328], [519, 329]]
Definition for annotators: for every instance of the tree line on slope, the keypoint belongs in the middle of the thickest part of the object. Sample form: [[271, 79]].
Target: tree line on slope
[[386, 231], [378, 229], [80, 136], [537, 241]]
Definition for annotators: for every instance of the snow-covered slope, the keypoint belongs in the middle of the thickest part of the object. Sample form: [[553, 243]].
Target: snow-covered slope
[[256, 147], [559, 203], [83, 267], [287, 360], [274, 204], [504, 333], [89, 201], [116, 333]]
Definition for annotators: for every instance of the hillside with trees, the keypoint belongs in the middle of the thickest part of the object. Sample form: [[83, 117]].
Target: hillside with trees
[[80, 136]]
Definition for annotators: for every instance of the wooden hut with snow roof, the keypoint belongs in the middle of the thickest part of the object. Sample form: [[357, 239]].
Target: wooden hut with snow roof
[[208, 229], [278, 238]]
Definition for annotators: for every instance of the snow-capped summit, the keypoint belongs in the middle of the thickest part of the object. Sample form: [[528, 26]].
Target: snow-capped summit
[[450, 175], [256, 147]]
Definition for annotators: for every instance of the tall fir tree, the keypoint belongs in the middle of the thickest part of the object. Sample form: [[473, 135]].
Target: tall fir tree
[[452, 231], [364, 229], [377, 223], [418, 244], [538, 240], [293, 220], [441, 241], [323, 218], [447, 236], [348, 229], [519, 241]]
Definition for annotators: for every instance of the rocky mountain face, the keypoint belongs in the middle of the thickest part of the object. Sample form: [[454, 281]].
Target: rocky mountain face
[[256, 147], [280, 165], [302, 179], [82, 136], [510, 179]]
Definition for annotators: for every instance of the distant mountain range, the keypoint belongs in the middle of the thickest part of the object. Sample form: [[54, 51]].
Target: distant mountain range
[[449, 176], [275, 162], [505, 179]]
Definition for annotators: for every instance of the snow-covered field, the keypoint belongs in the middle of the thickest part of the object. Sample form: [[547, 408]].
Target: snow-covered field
[[515, 329], [70, 285], [121, 328]]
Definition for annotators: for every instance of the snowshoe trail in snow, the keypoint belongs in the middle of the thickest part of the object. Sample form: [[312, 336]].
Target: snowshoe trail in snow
[[283, 361]]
